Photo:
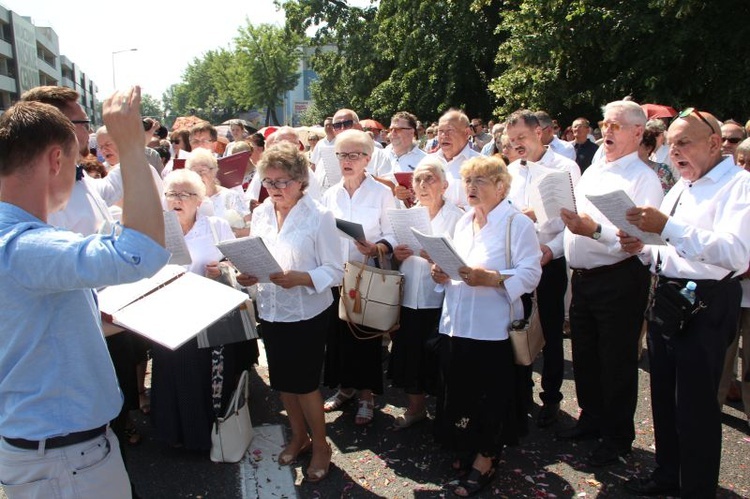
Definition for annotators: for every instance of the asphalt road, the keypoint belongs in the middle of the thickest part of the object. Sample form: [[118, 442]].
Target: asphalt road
[[379, 461]]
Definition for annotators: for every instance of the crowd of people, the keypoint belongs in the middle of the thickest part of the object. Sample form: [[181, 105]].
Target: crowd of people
[[67, 229]]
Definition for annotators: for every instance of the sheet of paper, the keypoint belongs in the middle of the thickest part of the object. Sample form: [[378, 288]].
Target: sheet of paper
[[550, 193], [352, 230], [613, 205], [180, 310], [403, 221], [114, 298], [174, 240], [250, 256], [441, 251], [331, 165]]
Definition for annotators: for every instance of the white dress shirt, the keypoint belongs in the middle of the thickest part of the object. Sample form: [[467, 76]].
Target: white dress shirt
[[368, 206], [482, 312], [455, 192], [629, 174], [229, 199], [86, 212], [709, 233], [201, 241], [110, 188], [563, 148], [307, 242], [406, 162], [419, 288], [550, 233]]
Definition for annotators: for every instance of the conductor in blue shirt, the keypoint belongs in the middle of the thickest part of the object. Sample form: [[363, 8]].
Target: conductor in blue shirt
[[58, 388]]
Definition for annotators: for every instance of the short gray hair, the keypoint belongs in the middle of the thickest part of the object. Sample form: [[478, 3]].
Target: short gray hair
[[185, 176], [632, 112], [357, 137]]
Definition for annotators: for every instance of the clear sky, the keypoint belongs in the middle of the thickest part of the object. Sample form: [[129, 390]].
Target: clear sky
[[169, 35]]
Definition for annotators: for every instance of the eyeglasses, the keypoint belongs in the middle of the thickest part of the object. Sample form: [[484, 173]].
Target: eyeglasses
[[347, 124], [81, 122], [691, 110], [351, 156], [176, 141], [276, 184], [182, 196], [427, 179], [195, 142], [478, 181], [731, 140], [606, 125], [313, 139], [203, 171], [399, 128]]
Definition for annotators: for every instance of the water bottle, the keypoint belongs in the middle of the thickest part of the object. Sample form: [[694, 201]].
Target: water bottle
[[688, 292]]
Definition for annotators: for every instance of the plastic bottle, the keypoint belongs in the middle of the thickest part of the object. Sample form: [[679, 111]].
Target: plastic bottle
[[689, 292]]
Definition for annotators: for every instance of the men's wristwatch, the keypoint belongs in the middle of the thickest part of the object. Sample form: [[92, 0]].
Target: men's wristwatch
[[597, 233]]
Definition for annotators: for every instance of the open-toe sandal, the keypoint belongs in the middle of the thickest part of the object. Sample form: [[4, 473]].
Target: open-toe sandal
[[364, 413], [315, 475], [289, 456], [337, 400], [474, 482], [406, 420]]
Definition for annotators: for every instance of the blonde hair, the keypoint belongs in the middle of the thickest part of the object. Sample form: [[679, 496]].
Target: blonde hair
[[491, 167], [357, 137]]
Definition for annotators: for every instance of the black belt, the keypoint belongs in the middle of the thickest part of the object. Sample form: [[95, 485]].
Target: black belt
[[55, 442], [605, 268]]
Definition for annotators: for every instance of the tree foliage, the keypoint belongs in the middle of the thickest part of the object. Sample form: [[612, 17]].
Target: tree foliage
[[151, 107]]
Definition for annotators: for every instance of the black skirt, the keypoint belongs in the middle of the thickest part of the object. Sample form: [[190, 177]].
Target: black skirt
[[351, 362], [295, 353], [476, 406], [412, 364]]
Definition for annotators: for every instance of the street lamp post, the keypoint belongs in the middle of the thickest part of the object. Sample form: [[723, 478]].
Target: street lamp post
[[114, 81]]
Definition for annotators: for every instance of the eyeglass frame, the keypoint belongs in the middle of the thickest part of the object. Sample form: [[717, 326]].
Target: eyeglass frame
[[690, 110], [182, 196], [276, 184], [343, 156], [345, 125]]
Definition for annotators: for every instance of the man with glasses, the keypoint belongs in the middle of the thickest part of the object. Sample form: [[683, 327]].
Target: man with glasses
[[403, 151], [609, 289], [203, 135], [550, 138], [705, 222], [536, 159], [732, 133], [454, 149], [480, 137]]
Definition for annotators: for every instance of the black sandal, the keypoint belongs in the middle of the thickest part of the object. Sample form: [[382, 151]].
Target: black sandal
[[475, 481]]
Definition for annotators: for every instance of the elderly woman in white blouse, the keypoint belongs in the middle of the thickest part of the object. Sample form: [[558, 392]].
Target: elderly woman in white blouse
[[409, 367], [294, 307], [353, 364], [227, 203], [477, 404], [181, 384]]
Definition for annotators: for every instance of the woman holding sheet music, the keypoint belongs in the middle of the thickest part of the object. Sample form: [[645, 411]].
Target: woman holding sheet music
[[185, 382], [294, 307], [409, 365], [353, 364], [227, 203], [476, 404]]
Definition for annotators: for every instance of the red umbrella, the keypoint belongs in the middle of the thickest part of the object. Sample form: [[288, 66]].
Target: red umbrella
[[370, 124], [654, 111]]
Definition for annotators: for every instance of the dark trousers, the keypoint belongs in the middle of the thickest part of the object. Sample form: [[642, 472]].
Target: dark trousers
[[550, 296], [606, 317], [685, 375]]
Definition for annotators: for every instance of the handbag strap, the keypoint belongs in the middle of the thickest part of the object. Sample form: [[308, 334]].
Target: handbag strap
[[354, 328], [242, 390], [508, 258]]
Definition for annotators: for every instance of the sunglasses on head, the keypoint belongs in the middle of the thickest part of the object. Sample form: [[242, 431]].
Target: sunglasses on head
[[691, 110]]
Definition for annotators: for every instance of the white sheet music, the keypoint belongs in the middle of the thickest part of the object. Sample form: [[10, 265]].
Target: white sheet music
[[613, 205], [174, 240], [550, 193], [331, 165], [174, 314], [403, 221], [250, 256], [441, 251]]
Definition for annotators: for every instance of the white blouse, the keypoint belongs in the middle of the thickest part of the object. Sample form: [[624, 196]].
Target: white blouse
[[307, 242], [482, 312], [419, 288], [229, 199], [201, 242], [368, 206]]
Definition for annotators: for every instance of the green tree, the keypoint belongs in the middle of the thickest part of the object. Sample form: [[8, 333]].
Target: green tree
[[266, 64], [151, 107]]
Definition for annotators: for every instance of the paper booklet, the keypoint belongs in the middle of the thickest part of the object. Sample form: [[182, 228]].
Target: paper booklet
[[352, 230], [232, 169], [331, 166], [169, 308], [441, 251], [550, 193], [613, 205], [403, 221], [174, 240], [251, 256]]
